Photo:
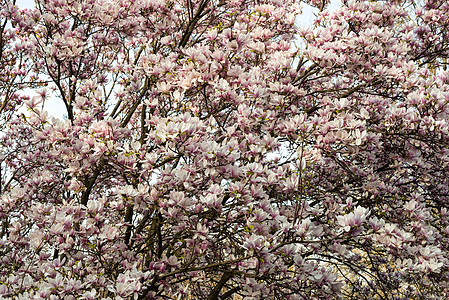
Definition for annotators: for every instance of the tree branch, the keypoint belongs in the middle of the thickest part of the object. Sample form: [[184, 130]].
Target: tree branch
[[216, 291]]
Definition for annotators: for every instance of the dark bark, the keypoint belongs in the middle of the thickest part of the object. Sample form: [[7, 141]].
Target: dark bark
[[216, 291]]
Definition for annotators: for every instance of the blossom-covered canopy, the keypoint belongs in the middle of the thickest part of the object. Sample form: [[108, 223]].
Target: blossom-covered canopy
[[214, 150]]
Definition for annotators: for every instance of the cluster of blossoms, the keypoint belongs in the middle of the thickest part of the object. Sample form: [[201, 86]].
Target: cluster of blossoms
[[204, 156]]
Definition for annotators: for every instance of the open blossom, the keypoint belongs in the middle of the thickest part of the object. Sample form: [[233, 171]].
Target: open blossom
[[353, 219]]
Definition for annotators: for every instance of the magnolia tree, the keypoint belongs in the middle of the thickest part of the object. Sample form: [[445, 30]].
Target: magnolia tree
[[213, 150]]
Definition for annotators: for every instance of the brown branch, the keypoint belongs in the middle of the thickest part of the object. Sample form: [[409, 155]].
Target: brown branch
[[89, 183], [216, 291], [136, 104], [229, 293], [128, 219], [192, 24], [219, 264]]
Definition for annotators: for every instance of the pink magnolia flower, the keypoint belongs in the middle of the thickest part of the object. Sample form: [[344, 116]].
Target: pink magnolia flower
[[353, 219]]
